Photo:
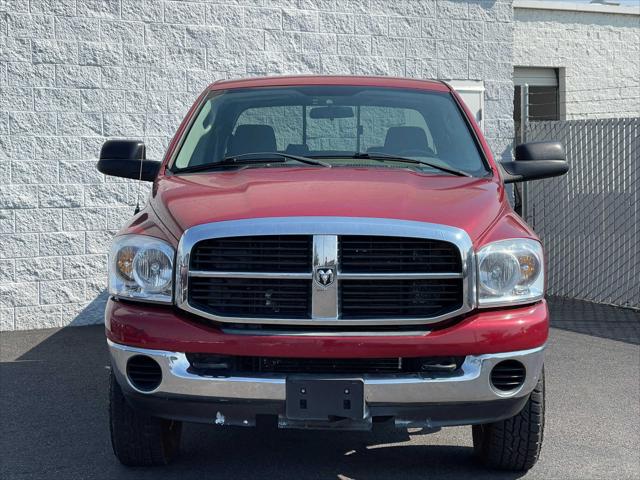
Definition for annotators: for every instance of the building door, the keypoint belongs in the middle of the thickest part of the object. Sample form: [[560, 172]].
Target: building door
[[472, 92]]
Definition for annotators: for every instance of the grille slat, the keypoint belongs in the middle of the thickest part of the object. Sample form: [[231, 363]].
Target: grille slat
[[392, 262]]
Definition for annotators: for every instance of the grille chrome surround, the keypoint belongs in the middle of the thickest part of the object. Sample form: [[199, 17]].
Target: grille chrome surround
[[325, 301]]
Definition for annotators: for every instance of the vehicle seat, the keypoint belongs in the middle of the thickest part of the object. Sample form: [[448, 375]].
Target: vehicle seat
[[400, 139], [252, 139], [297, 149]]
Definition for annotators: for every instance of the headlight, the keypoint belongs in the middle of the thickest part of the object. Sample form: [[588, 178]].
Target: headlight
[[141, 267], [510, 272]]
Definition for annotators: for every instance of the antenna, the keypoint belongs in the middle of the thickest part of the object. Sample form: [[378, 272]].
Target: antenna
[[142, 155]]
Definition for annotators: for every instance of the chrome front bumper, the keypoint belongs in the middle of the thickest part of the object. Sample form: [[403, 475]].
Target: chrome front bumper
[[472, 385]]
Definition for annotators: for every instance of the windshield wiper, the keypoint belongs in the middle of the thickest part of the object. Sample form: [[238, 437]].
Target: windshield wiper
[[251, 158], [381, 157]]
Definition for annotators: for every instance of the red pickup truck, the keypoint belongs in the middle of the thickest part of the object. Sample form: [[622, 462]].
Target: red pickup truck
[[333, 253]]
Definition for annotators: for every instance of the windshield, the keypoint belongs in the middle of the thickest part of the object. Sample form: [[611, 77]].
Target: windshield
[[339, 124]]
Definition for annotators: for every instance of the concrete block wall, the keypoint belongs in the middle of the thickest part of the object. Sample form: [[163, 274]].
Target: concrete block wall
[[75, 72], [598, 54]]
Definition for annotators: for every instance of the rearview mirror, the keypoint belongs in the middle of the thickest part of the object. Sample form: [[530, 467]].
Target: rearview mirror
[[535, 161], [127, 159], [331, 112]]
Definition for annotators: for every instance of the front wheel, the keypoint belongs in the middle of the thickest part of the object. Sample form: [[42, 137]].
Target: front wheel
[[515, 443], [139, 439]]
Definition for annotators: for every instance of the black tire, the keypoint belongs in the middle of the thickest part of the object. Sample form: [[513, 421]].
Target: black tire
[[139, 439], [513, 444]]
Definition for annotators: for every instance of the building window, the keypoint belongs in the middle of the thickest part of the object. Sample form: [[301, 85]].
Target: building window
[[544, 95]]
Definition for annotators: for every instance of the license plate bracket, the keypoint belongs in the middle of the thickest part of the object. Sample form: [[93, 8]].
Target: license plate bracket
[[324, 398]]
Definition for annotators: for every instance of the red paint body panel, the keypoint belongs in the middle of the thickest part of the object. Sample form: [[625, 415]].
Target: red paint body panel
[[479, 206], [300, 80], [146, 222], [162, 328], [470, 203]]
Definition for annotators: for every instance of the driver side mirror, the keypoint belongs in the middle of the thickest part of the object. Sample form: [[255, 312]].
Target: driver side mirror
[[127, 159], [535, 161]]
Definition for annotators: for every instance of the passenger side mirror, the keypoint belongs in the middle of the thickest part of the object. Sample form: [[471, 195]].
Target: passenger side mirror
[[127, 159], [534, 161]]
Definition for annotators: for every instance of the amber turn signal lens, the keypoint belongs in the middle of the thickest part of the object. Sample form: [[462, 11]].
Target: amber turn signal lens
[[529, 268], [124, 263]]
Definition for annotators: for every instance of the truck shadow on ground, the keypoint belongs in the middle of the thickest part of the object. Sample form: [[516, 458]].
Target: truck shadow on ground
[[604, 321], [299, 454], [53, 405]]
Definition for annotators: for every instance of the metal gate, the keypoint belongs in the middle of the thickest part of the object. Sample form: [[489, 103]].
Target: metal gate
[[589, 219]]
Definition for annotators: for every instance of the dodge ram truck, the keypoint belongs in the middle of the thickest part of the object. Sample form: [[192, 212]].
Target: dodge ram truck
[[325, 252]]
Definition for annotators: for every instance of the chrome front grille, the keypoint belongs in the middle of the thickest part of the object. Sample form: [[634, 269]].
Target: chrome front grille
[[324, 271]]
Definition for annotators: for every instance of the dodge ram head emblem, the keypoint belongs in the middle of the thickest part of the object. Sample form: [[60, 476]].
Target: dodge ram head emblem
[[324, 276]]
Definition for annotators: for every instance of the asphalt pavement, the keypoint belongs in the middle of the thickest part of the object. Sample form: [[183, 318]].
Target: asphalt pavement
[[54, 422]]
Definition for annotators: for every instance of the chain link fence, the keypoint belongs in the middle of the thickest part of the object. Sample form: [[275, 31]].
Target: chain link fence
[[589, 219]]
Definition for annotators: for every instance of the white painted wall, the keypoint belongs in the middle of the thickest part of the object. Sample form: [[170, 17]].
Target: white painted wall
[[75, 72], [596, 47]]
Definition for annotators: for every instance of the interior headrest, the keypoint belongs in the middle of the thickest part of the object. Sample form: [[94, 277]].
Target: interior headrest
[[406, 138], [297, 149], [252, 138]]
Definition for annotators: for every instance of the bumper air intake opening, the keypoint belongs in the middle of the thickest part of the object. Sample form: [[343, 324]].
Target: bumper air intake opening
[[508, 375], [210, 364], [144, 373]]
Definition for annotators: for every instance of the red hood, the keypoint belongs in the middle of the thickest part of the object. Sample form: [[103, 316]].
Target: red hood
[[472, 204]]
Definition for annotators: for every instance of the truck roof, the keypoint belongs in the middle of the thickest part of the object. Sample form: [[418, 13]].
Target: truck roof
[[298, 80]]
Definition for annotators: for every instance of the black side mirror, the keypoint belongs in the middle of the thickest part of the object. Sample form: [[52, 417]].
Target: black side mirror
[[535, 161], [127, 159]]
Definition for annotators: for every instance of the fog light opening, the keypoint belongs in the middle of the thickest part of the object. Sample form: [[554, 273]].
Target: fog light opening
[[508, 376], [144, 373]]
